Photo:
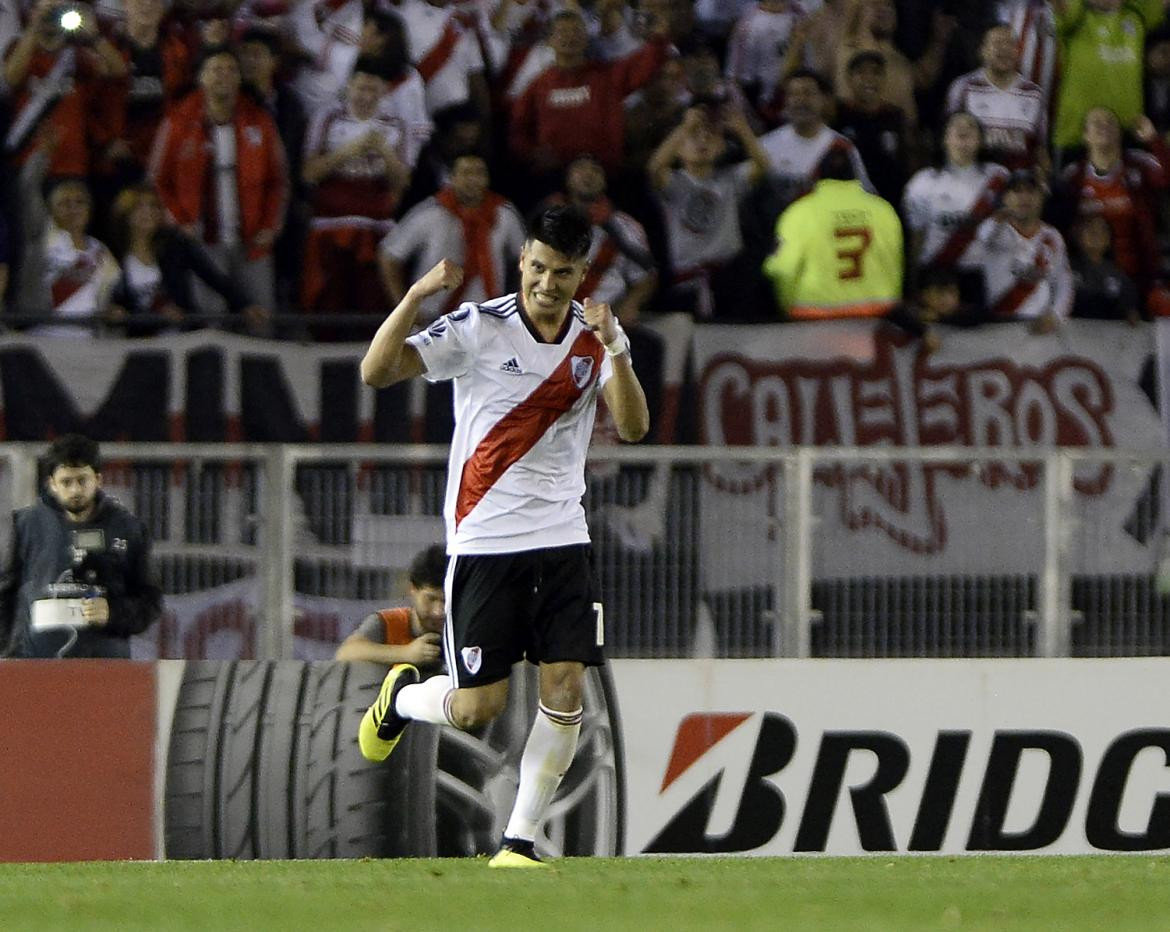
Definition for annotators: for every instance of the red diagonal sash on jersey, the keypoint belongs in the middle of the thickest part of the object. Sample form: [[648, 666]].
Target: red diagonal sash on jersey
[[1021, 291], [956, 244], [434, 60], [520, 429]]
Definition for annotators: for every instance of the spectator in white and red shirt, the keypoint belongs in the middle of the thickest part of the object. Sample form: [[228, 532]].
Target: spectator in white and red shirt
[[356, 164], [1010, 108], [1024, 261]]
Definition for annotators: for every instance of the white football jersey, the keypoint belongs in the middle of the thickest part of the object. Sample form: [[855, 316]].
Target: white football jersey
[[1026, 276], [1014, 121], [795, 160], [946, 205], [524, 413], [758, 46]]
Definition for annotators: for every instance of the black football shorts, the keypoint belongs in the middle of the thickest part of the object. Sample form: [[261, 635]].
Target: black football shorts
[[539, 605]]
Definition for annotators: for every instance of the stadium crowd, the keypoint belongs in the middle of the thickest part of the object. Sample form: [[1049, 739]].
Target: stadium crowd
[[281, 166]]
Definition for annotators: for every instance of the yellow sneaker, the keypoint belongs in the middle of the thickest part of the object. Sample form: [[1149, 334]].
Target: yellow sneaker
[[381, 726], [516, 853]]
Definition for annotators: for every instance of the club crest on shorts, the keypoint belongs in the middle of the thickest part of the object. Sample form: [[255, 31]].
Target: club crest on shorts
[[472, 658], [582, 369]]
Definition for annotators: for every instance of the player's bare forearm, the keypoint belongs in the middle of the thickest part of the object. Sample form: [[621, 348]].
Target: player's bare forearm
[[623, 393], [387, 360], [626, 401]]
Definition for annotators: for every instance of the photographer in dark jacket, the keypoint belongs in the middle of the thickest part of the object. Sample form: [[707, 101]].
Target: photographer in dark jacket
[[76, 532]]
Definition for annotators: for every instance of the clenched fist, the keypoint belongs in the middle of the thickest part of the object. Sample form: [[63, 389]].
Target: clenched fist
[[601, 321], [445, 276]]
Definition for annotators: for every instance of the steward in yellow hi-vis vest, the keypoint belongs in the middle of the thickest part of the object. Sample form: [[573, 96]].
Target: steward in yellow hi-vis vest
[[838, 251]]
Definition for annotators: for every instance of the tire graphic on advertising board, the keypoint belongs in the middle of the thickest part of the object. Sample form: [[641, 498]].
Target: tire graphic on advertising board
[[478, 774], [263, 762]]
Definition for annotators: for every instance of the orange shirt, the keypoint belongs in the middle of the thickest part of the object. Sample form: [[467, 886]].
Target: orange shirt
[[396, 622]]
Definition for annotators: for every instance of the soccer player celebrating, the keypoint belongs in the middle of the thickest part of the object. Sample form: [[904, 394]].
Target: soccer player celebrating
[[527, 371]]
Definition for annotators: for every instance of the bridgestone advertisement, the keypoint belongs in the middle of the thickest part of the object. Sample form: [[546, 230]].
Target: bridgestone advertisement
[[909, 757], [259, 759]]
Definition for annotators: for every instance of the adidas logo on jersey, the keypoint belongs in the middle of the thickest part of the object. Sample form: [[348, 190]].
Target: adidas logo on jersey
[[512, 367]]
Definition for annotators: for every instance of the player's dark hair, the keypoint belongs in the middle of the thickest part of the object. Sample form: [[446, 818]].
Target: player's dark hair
[[565, 229], [429, 567], [71, 450]]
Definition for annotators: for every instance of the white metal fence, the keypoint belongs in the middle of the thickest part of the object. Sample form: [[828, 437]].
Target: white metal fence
[[278, 551]]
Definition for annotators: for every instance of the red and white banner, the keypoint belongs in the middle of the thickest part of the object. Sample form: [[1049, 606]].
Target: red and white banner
[[866, 384], [776, 757]]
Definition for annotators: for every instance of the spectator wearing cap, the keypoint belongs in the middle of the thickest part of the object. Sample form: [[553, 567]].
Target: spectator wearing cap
[[1102, 44], [621, 267], [1010, 108], [1023, 260], [355, 166], [219, 166], [876, 128], [575, 106], [1123, 185], [838, 250]]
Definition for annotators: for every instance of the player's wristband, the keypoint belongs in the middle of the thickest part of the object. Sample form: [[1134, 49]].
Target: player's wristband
[[620, 344]]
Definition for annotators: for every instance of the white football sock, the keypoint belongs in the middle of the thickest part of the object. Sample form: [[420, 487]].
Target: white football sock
[[547, 755], [428, 701]]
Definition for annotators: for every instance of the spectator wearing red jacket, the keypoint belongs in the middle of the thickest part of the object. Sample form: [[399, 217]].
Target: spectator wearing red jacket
[[219, 167], [1123, 185], [575, 107]]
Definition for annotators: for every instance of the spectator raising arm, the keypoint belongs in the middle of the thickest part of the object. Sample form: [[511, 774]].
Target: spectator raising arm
[[664, 157]]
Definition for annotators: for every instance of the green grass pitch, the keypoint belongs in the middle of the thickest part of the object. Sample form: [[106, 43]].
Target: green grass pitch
[[645, 894]]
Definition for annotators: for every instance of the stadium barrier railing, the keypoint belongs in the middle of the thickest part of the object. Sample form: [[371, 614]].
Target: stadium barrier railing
[[278, 551]]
